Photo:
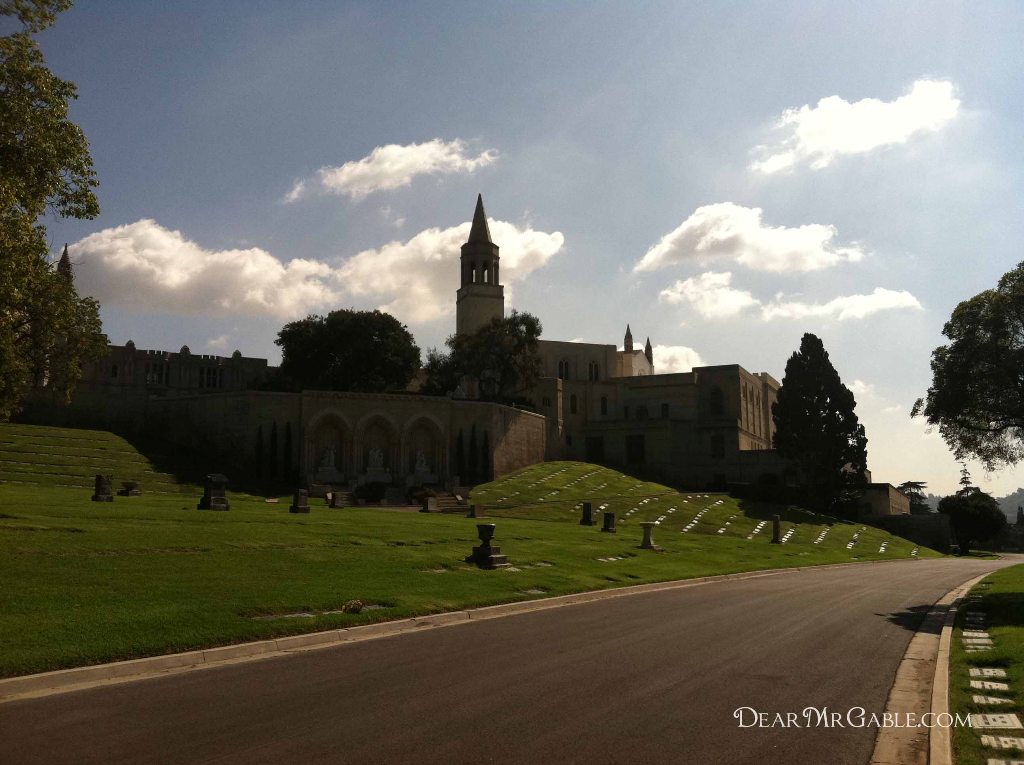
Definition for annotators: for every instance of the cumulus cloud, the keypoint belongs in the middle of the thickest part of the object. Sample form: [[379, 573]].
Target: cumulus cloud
[[713, 297], [391, 167], [816, 135], [710, 295], [675, 358], [145, 266], [418, 278], [842, 308], [862, 388], [728, 230]]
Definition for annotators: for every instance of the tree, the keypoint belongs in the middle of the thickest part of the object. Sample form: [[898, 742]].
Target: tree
[[976, 398], [816, 427], [502, 357], [974, 515], [365, 351], [915, 493], [46, 329]]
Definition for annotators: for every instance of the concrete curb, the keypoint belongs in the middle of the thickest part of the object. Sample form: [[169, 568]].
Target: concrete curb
[[78, 678], [916, 685], [940, 745]]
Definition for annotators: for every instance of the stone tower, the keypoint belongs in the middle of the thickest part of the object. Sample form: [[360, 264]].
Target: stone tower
[[649, 352], [627, 341], [480, 297]]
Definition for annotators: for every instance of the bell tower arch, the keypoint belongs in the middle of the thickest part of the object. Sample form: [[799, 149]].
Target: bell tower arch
[[480, 297]]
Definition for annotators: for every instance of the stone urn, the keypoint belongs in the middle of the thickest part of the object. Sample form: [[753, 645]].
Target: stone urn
[[486, 533]]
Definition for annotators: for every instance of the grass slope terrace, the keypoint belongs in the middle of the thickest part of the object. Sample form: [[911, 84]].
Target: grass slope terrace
[[92, 582]]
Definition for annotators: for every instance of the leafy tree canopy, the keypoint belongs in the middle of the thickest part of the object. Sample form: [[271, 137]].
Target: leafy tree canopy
[[976, 398], [502, 357], [346, 350], [46, 329], [915, 493], [816, 426], [974, 515]]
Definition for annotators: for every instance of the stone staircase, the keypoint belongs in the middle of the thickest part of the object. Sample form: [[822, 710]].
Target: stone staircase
[[448, 503]]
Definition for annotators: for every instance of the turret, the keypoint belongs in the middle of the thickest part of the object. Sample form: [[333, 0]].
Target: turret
[[480, 297], [64, 265], [627, 341], [649, 352]]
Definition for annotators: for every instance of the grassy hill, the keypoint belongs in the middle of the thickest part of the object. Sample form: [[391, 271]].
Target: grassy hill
[[555, 491], [97, 581], [34, 454]]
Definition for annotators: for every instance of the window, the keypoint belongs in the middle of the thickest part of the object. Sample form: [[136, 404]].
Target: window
[[113, 371], [545, 401], [563, 369], [717, 446], [604, 405], [593, 371], [641, 412], [664, 411], [572, 404]]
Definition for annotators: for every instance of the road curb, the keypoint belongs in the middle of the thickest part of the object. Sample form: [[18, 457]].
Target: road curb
[[940, 744], [920, 686], [77, 678]]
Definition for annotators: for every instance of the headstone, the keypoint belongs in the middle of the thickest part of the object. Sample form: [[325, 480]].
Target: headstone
[[337, 499], [429, 505], [648, 543], [776, 539], [487, 555], [588, 515], [472, 512], [300, 504], [129, 489], [609, 522], [215, 493], [103, 490]]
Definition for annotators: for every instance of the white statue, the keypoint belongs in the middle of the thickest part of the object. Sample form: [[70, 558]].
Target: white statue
[[376, 460], [421, 462], [327, 462]]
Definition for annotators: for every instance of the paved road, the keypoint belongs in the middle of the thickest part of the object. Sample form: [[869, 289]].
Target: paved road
[[649, 678]]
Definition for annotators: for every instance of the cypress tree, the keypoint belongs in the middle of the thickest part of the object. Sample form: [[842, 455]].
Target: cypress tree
[[816, 426]]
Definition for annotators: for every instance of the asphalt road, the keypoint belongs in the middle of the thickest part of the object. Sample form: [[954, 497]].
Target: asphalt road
[[649, 678]]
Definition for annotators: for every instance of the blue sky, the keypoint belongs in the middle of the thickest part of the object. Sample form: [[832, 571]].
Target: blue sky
[[881, 145]]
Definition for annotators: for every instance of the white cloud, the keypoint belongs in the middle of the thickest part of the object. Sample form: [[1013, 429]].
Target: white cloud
[[710, 295], [146, 267], [417, 279], [218, 343], [391, 167], [847, 307], [862, 388], [819, 134], [675, 358], [732, 231]]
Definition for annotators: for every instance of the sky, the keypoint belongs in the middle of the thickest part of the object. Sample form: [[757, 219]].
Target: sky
[[722, 176]]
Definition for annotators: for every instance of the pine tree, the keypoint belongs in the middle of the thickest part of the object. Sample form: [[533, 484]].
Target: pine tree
[[816, 426]]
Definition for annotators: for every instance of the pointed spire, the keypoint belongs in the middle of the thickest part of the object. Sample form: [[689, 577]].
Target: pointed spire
[[649, 352], [479, 231], [64, 265], [627, 342]]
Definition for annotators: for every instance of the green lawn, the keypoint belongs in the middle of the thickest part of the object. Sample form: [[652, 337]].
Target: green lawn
[[1002, 599], [88, 582]]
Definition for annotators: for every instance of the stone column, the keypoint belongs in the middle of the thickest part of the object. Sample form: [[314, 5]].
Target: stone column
[[776, 539], [588, 515], [609, 522], [648, 543], [103, 490], [300, 503]]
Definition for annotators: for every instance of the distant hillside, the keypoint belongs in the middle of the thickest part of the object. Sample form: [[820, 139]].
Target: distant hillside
[[1007, 504]]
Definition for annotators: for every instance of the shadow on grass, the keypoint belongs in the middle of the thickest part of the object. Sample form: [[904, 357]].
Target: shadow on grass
[[763, 511], [1004, 609]]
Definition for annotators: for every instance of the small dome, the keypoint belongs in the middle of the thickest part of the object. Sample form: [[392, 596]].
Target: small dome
[[130, 345], [184, 350], [236, 355]]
